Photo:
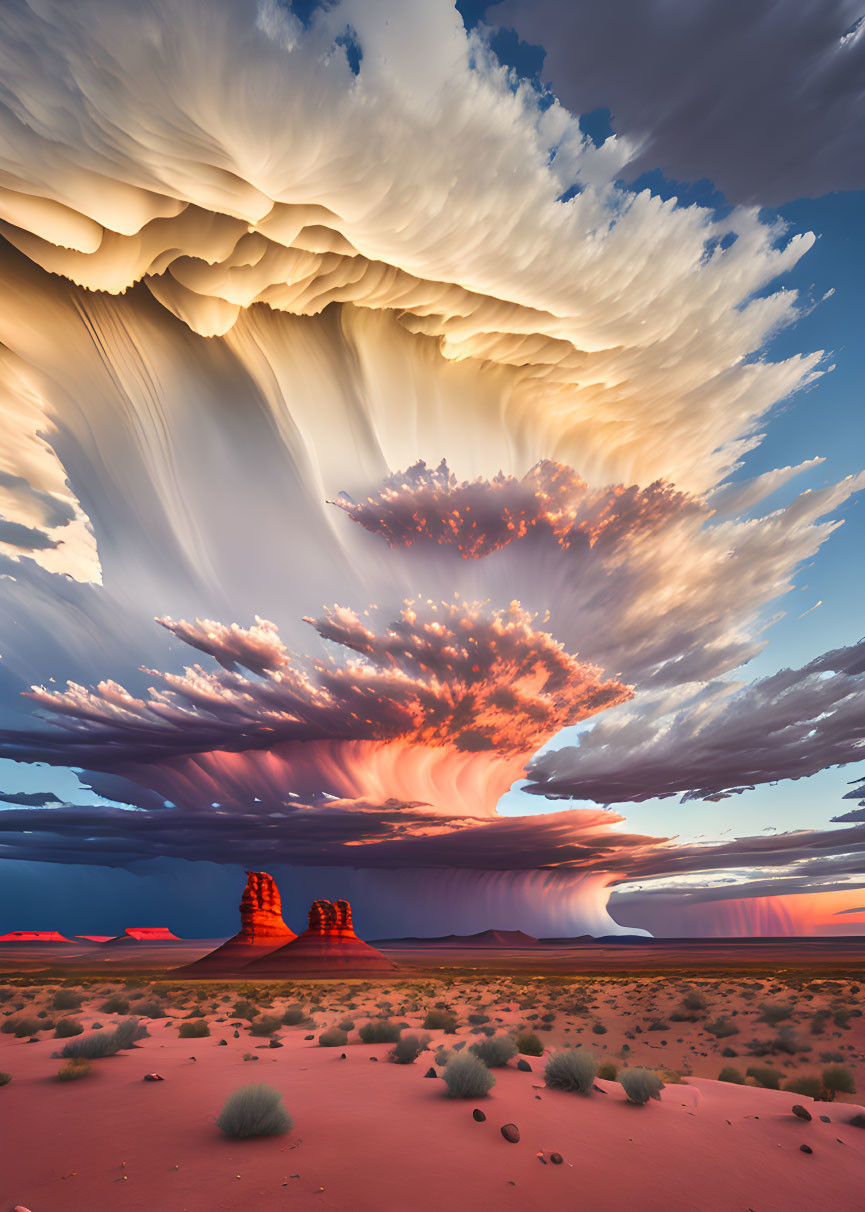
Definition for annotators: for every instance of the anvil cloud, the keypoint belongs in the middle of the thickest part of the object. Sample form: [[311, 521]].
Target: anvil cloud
[[343, 310]]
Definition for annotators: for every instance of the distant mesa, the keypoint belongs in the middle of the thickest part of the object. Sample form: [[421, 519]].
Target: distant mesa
[[261, 931], [144, 934], [329, 944], [485, 938], [93, 938], [33, 936]]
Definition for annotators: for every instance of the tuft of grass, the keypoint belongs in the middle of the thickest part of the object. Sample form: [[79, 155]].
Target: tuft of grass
[[694, 1001], [245, 1009], [496, 1051], [74, 1069], [68, 1027], [294, 1016], [66, 999], [265, 1025], [346, 1024], [332, 1037], [807, 1084], [607, 1071], [838, 1080], [774, 1013], [21, 1027], [115, 1005], [438, 1019], [730, 1074], [640, 1085], [254, 1110], [571, 1069], [5, 1078], [106, 1043], [380, 1031], [721, 1028], [765, 1075], [467, 1077], [529, 1044], [150, 1008], [195, 1028], [408, 1049]]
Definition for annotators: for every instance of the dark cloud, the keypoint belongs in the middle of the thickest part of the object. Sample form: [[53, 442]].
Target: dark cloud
[[30, 799], [422, 504], [786, 726], [764, 98], [441, 674], [27, 538]]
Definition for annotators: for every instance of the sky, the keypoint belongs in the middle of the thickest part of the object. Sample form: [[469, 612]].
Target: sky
[[434, 465]]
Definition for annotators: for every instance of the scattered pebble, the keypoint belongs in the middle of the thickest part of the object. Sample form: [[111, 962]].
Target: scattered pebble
[[153, 1077], [477, 1114], [524, 1065], [805, 1149], [802, 1112], [556, 1159], [431, 1072], [511, 1133], [824, 1119]]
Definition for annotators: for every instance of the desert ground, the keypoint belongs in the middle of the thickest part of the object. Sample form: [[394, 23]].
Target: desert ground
[[372, 1134]]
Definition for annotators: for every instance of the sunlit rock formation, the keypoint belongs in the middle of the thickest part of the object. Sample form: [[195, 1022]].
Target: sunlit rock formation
[[261, 931], [329, 944]]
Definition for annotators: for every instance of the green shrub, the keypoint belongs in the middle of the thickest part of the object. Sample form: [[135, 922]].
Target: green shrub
[[529, 1044], [106, 1043], [66, 999], [838, 1080], [467, 1077], [607, 1071], [808, 1085], [265, 1025], [116, 1005], [640, 1085], [694, 1001], [440, 1020], [721, 1028], [333, 1037], [195, 1028], [254, 1110], [380, 1031], [496, 1051], [408, 1049], [765, 1076], [571, 1069], [774, 1013], [67, 1027], [74, 1069], [5, 1078], [732, 1075]]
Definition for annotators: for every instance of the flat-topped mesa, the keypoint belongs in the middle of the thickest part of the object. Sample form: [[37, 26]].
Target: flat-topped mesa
[[261, 912], [328, 945]]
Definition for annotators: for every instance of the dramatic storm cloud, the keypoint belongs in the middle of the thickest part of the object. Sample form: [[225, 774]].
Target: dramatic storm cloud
[[341, 309]]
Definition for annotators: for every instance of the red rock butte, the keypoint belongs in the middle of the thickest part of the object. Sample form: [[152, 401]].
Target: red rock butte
[[262, 930], [33, 936], [328, 945]]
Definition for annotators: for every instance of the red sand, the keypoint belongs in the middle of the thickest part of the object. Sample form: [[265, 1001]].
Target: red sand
[[383, 1138]]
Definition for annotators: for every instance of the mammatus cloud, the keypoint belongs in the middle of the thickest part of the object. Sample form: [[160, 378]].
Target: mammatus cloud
[[721, 741], [768, 107]]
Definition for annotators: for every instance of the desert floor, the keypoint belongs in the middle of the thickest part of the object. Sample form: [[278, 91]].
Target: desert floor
[[374, 1135]]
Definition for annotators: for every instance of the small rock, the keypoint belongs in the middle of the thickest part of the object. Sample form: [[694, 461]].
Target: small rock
[[524, 1065], [556, 1159], [431, 1072], [153, 1077], [511, 1133], [477, 1114], [309, 1037], [824, 1119], [372, 1058], [542, 1159], [237, 1034], [805, 1149], [223, 1043], [275, 1043], [801, 1112]]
